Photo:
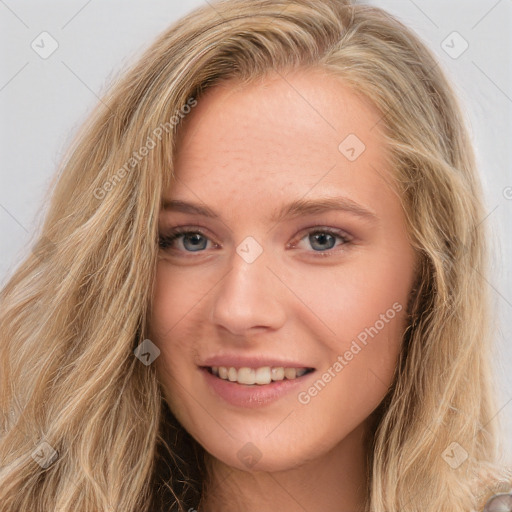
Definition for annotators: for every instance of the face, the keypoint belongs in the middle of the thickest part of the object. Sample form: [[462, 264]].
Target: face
[[297, 258]]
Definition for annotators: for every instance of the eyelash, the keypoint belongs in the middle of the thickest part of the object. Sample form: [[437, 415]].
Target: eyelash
[[165, 241]]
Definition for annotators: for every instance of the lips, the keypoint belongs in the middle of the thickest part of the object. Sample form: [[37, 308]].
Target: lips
[[242, 395], [240, 361]]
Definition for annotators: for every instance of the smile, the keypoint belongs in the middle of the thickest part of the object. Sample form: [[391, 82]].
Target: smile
[[257, 376]]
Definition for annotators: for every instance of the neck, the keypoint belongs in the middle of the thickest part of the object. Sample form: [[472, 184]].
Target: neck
[[333, 482]]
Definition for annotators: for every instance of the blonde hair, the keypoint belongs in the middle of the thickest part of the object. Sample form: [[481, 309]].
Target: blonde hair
[[77, 307]]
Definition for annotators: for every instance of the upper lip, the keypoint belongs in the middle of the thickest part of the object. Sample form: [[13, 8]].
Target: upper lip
[[239, 361]]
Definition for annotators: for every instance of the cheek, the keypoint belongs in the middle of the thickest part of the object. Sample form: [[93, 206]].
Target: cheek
[[361, 357], [360, 314], [176, 294], [355, 296], [174, 300]]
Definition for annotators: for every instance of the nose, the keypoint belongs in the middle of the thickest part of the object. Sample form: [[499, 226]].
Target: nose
[[249, 298]]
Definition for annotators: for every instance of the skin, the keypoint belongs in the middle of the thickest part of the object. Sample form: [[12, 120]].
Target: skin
[[244, 151]]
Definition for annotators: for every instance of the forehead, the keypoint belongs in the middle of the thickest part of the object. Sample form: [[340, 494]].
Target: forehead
[[281, 136]]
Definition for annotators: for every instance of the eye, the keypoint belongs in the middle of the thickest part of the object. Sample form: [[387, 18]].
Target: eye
[[192, 240], [322, 240]]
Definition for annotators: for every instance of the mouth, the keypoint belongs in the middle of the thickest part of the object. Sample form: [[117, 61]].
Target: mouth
[[256, 376]]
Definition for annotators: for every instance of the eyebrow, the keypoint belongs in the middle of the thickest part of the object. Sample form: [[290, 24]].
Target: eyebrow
[[294, 209]]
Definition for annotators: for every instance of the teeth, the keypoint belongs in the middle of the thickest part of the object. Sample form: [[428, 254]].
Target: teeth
[[260, 376], [290, 373], [232, 374], [278, 373]]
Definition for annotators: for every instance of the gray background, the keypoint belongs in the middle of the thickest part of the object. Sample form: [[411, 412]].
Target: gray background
[[44, 101]]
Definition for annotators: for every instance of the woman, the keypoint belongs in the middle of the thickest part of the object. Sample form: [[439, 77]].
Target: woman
[[189, 357]]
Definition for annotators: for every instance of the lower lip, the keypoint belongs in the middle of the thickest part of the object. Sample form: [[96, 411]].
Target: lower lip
[[241, 395]]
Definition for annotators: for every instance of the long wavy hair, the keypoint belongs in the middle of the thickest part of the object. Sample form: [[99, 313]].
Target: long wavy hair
[[77, 306]]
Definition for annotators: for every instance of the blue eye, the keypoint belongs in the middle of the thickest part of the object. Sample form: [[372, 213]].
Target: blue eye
[[322, 240], [193, 241]]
